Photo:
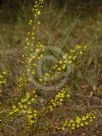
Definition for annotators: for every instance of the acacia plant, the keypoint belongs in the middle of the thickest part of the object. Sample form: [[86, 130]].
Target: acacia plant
[[26, 106]]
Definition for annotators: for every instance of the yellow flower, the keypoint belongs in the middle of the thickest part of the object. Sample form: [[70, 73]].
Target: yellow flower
[[81, 52], [59, 69], [14, 107], [21, 106], [29, 111], [19, 103], [82, 124], [25, 106], [62, 95], [83, 118], [86, 123], [61, 100], [40, 79], [30, 22], [23, 100], [30, 116], [60, 62], [16, 110], [78, 125], [73, 128], [51, 108], [64, 66], [4, 73], [47, 75], [63, 128], [27, 95], [11, 113], [78, 120], [78, 46], [38, 12], [32, 99], [29, 103], [71, 120]]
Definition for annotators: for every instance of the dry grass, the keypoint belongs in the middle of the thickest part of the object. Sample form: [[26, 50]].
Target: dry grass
[[62, 30]]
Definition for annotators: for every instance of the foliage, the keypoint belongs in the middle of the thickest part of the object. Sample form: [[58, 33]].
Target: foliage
[[26, 106]]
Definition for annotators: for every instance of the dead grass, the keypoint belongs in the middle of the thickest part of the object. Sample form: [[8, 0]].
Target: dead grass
[[64, 31]]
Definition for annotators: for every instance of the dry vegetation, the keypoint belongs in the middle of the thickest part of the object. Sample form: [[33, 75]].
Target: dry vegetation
[[74, 109]]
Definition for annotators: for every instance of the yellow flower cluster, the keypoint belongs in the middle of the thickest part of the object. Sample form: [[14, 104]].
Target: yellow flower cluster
[[3, 79], [30, 38], [38, 4], [36, 10], [70, 58], [34, 57], [32, 116], [33, 49], [58, 99], [30, 42], [31, 56], [25, 106], [37, 7], [22, 81], [78, 122], [67, 60]]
